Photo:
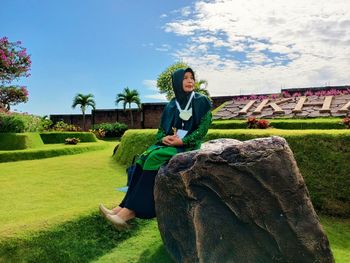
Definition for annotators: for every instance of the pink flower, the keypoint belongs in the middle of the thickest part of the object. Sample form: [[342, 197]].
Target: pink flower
[[286, 94], [308, 93]]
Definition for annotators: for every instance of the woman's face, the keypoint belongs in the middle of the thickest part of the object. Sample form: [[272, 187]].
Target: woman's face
[[188, 82]]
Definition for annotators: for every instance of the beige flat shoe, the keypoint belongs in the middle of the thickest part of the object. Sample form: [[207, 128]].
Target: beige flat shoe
[[117, 222], [105, 211]]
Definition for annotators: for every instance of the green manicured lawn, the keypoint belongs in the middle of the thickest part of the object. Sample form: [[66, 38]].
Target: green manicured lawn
[[39, 193], [49, 214]]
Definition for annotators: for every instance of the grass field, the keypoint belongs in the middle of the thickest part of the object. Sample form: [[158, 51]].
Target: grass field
[[49, 214]]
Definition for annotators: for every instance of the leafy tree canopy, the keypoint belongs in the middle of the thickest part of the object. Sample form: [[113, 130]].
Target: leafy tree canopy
[[12, 95], [165, 86], [128, 96], [14, 63]]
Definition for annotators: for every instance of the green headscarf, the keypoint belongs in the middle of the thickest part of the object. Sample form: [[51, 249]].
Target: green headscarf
[[200, 106]]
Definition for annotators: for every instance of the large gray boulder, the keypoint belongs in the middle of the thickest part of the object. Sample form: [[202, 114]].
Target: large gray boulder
[[237, 201]]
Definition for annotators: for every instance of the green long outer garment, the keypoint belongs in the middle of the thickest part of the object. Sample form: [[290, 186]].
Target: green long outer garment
[[155, 156]]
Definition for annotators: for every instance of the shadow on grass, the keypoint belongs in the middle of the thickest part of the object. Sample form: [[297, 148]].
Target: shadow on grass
[[82, 240], [160, 256]]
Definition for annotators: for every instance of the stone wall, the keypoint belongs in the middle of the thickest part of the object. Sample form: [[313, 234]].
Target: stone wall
[[75, 119], [117, 115], [148, 117]]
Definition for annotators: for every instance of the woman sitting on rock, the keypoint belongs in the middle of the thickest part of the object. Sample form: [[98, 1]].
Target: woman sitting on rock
[[184, 123]]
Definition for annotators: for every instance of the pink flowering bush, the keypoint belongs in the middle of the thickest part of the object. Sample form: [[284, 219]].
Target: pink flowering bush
[[296, 94], [286, 94], [308, 93], [14, 63], [14, 60]]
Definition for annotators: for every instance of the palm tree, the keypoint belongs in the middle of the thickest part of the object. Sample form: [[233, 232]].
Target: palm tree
[[127, 97], [84, 101]]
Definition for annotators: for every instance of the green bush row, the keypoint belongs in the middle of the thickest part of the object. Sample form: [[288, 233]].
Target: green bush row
[[322, 157], [112, 129], [18, 141], [17, 123], [59, 137], [292, 124], [48, 151]]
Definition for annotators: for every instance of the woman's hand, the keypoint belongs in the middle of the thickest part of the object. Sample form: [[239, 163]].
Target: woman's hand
[[172, 140]]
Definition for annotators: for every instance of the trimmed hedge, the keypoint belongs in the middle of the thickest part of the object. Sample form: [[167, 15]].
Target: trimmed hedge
[[18, 141], [322, 156], [292, 124], [51, 150], [112, 129], [134, 142], [59, 137]]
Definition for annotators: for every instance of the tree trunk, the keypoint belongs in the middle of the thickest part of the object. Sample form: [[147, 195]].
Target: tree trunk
[[131, 117], [83, 120]]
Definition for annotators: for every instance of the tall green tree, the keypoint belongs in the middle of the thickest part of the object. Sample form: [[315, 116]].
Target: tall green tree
[[128, 97], [84, 101], [165, 86]]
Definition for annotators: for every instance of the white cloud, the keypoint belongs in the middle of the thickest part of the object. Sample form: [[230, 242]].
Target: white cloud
[[150, 83], [186, 11], [160, 97], [163, 15], [164, 48], [148, 44], [260, 46]]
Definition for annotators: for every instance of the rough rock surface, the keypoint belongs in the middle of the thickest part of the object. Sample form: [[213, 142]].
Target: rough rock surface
[[237, 201]]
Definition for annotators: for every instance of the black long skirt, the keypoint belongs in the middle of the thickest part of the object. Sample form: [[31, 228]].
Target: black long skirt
[[139, 196]]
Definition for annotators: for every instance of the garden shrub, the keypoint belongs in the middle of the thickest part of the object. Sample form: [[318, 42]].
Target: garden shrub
[[73, 141], [290, 124], [254, 123], [322, 157], [62, 126], [99, 133], [346, 122], [134, 142], [59, 137], [18, 123], [112, 129]]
